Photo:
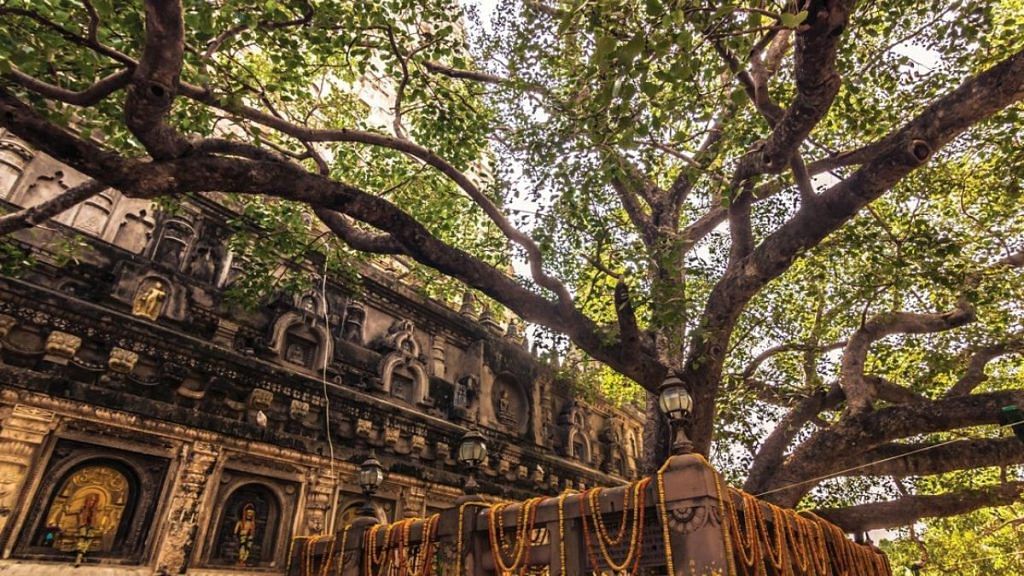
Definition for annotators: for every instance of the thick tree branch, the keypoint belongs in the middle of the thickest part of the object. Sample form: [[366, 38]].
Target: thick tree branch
[[85, 97], [908, 510], [856, 434], [926, 459], [907, 149], [155, 81], [306, 134], [975, 375], [198, 173], [858, 391], [360, 240]]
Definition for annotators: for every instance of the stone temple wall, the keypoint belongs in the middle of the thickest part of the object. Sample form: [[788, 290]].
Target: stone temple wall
[[151, 424]]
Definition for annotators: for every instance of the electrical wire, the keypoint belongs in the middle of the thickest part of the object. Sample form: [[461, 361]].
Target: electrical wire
[[323, 379], [883, 460]]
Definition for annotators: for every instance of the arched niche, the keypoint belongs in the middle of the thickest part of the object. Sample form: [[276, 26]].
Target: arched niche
[[246, 532], [405, 378], [95, 498], [175, 240], [512, 405], [402, 372], [578, 446], [14, 156], [109, 495], [299, 343], [135, 230], [94, 214]]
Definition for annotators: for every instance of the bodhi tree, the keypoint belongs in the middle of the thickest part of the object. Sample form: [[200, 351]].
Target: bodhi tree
[[806, 210]]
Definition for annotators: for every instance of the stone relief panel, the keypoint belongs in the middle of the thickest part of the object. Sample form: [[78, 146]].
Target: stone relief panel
[[135, 230], [14, 156], [402, 372], [94, 214], [511, 404], [95, 500], [252, 519], [45, 187], [174, 242]]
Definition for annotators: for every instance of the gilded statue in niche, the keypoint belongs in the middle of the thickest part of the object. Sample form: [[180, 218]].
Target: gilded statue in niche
[[245, 531], [149, 300], [87, 511]]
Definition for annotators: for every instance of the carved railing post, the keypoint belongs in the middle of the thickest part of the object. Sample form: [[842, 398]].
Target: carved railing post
[[22, 431], [191, 484]]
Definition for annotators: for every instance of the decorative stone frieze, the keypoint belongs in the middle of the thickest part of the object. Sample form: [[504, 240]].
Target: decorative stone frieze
[[22, 429], [122, 361], [190, 486], [61, 347]]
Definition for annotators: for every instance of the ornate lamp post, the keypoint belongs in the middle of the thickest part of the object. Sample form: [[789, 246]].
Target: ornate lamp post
[[472, 452], [371, 476], [675, 403]]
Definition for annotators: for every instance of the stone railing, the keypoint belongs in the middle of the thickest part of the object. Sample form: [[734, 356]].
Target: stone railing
[[682, 521]]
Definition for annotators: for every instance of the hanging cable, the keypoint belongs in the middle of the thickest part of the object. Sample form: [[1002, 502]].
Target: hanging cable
[[323, 379], [883, 460]]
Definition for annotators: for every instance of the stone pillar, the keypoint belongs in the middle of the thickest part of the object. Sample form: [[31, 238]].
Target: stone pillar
[[22, 431], [194, 479], [319, 496]]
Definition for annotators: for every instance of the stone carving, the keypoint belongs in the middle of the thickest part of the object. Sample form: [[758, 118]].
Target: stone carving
[[122, 361], [468, 307], [7, 323], [391, 436], [14, 156], [355, 317], [62, 346], [437, 357], [149, 299], [363, 428], [466, 398], [690, 519], [417, 444], [260, 399], [94, 214], [298, 410], [515, 332], [21, 433], [402, 373], [488, 321], [505, 406], [135, 231]]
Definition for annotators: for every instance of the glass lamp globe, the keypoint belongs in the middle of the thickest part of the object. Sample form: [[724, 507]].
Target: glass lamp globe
[[472, 449], [673, 399], [371, 475]]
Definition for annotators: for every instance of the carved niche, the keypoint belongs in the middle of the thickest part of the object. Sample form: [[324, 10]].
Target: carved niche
[[150, 298], [617, 460], [466, 398], [402, 372], [251, 519], [14, 156], [208, 256], [174, 242], [299, 337], [574, 432], [94, 215], [511, 404], [135, 230], [106, 495], [355, 318]]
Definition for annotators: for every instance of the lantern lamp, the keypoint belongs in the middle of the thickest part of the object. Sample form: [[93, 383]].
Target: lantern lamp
[[675, 403], [371, 476], [472, 453]]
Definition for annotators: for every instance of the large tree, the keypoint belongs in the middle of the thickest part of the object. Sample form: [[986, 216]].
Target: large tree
[[807, 210]]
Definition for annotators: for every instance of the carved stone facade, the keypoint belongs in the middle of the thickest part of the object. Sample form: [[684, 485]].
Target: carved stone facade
[[149, 422]]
